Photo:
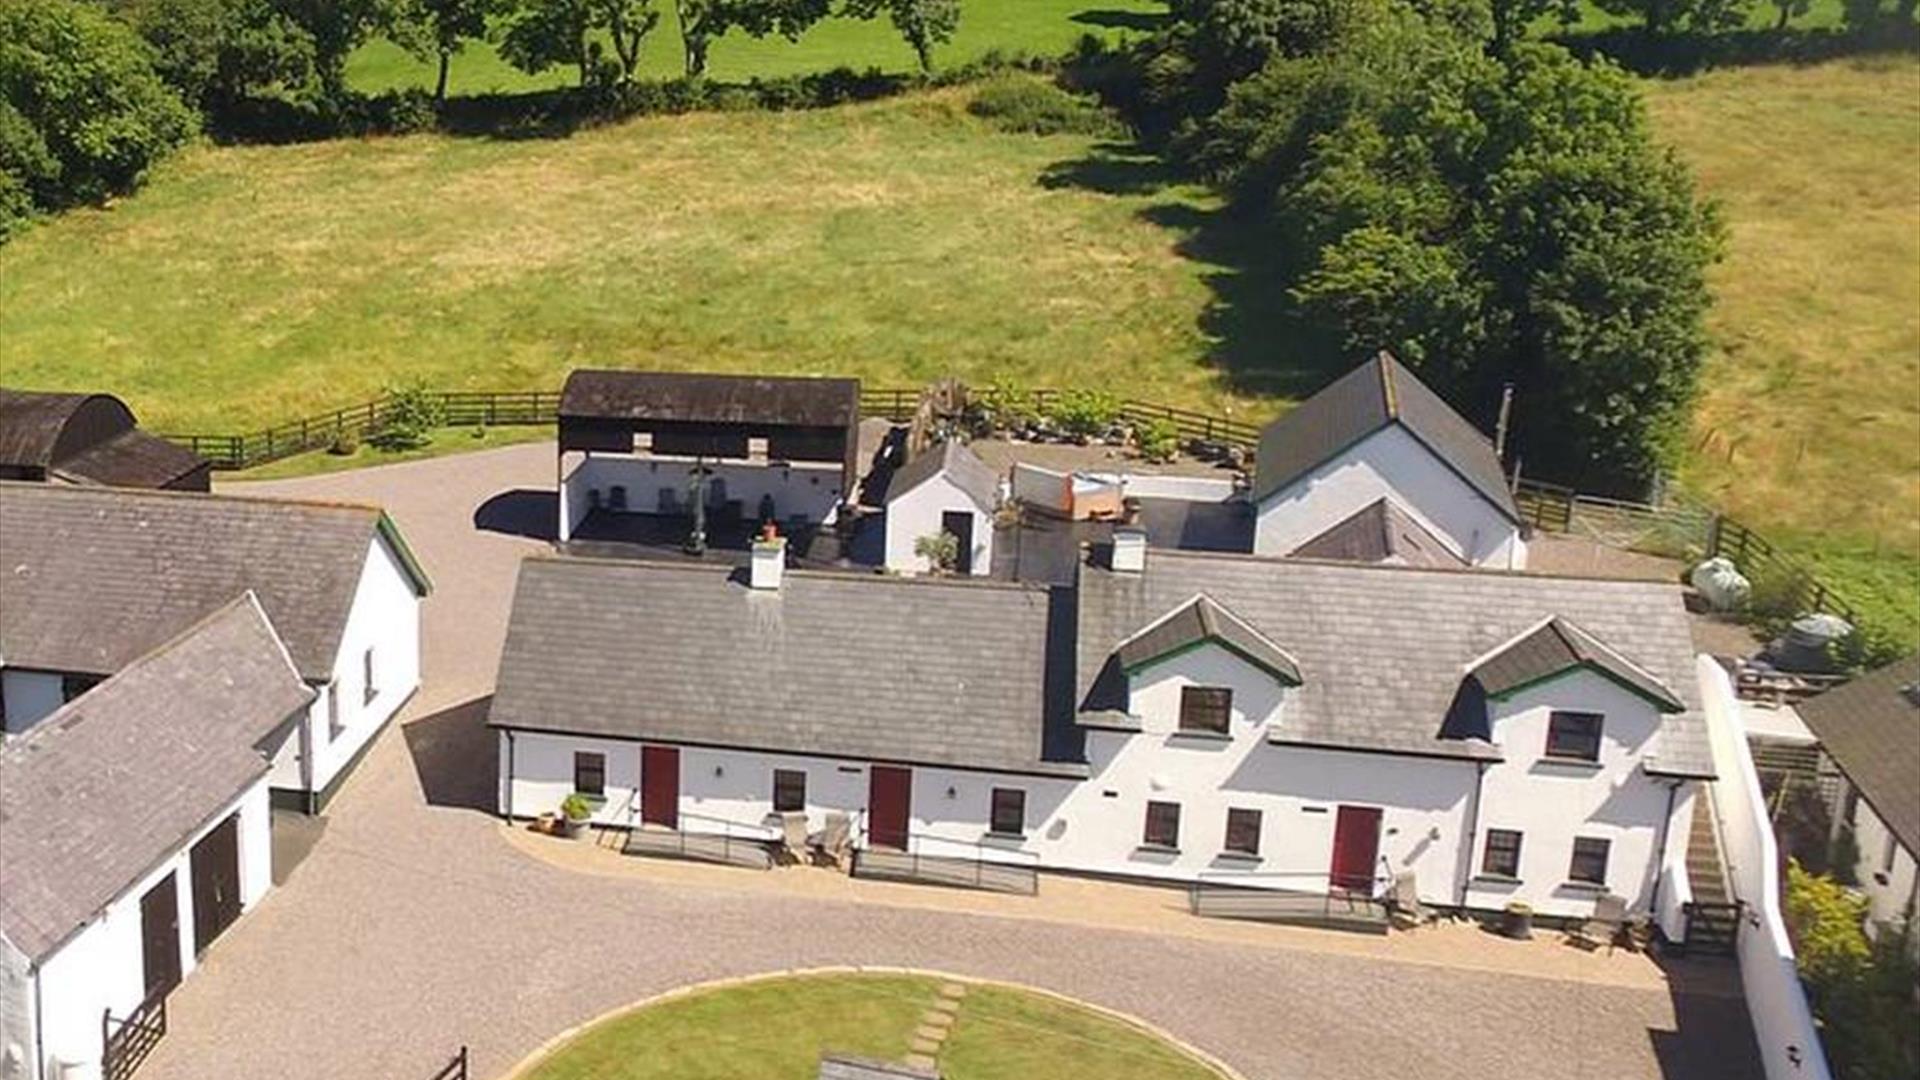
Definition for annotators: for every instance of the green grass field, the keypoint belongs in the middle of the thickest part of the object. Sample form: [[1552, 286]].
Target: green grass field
[[1808, 423], [777, 1030], [1042, 27]]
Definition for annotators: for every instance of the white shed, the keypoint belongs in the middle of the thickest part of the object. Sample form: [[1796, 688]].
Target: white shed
[[947, 488]]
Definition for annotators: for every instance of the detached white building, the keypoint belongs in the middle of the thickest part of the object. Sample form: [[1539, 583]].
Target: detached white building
[[133, 832], [1869, 729], [1375, 467], [97, 577], [1284, 724], [944, 489]]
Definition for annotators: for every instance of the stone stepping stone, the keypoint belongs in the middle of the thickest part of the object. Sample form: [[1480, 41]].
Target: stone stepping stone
[[924, 1046], [937, 1018], [930, 1033], [919, 1061], [953, 991]]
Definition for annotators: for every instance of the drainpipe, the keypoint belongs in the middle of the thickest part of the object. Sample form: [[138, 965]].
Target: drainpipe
[[1473, 832], [37, 1068], [1660, 857], [509, 799]]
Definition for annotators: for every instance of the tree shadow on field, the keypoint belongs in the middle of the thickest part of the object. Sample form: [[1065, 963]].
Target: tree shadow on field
[[1681, 53], [1260, 341], [1146, 22]]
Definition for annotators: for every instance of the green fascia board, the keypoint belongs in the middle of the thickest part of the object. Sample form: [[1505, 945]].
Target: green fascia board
[[1588, 665], [423, 584]]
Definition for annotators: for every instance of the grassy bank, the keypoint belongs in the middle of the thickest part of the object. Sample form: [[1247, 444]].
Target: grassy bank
[[1042, 27]]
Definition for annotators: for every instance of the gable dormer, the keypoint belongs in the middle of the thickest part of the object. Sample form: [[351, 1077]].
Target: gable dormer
[[1200, 666]]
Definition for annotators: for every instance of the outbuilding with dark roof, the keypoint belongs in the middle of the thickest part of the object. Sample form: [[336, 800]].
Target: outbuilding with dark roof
[[89, 439]]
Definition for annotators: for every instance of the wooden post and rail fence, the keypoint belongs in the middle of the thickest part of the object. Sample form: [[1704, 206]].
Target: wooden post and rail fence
[[1678, 527]]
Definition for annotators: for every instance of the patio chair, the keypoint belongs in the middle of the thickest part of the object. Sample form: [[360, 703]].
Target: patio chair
[[1609, 916], [831, 842], [793, 836], [1403, 904]]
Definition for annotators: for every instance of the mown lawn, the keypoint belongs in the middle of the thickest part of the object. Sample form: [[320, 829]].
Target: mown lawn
[[1041, 27], [777, 1030], [1808, 424], [898, 242]]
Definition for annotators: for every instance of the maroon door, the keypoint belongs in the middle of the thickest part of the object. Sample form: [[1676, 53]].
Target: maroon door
[[660, 785], [889, 792], [1356, 844]]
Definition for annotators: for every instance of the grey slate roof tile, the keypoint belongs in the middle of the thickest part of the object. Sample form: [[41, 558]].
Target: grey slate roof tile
[[1383, 650], [91, 578], [1204, 619], [683, 397], [1557, 645], [925, 671], [96, 794], [1380, 532], [961, 465], [1871, 729], [1370, 397]]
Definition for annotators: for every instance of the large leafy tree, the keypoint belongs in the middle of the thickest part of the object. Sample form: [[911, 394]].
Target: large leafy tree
[[704, 21], [922, 23], [218, 53], [1666, 16], [1490, 218], [549, 33], [84, 113], [437, 30]]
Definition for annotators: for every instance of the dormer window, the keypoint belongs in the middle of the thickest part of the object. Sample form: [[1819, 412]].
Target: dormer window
[[1574, 736], [1205, 709]]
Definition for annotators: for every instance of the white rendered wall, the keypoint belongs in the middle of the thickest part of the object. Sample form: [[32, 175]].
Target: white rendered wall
[[1783, 1024], [17, 1060], [1551, 802], [1889, 889], [808, 488], [385, 617], [1393, 463], [917, 513], [104, 967], [30, 697]]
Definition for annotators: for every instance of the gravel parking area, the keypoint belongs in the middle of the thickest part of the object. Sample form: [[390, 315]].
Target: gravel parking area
[[414, 927]]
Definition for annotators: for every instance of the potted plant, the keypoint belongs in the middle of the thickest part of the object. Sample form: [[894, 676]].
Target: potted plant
[[576, 809]]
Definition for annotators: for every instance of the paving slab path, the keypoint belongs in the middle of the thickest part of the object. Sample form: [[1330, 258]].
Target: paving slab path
[[414, 927]]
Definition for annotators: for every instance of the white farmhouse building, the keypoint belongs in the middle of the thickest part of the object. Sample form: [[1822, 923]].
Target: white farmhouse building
[[1869, 729], [945, 488], [133, 832], [1375, 467], [1279, 723], [97, 577]]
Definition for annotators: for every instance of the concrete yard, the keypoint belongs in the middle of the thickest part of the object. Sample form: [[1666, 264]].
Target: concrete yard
[[419, 922]]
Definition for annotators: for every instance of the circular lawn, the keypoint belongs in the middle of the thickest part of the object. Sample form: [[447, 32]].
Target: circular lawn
[[778, 1029]]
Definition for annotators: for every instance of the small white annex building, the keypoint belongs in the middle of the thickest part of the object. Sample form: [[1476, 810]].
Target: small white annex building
[[1273, 723], [1375, 467], [1869, 729], [97, 577], [134, 830], [945, 488]]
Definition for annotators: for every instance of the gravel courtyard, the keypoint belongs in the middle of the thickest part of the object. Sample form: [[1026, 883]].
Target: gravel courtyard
[[415, 926]]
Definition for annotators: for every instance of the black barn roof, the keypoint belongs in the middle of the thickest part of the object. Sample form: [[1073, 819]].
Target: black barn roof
[[89, 439], [755, 401]]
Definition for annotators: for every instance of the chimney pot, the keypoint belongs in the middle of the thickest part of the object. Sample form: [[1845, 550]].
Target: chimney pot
[[1129, 550]]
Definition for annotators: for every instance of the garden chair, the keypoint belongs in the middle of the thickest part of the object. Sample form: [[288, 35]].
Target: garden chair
[[1609, 916], [793, 836], [1403, 903], [830, 843]]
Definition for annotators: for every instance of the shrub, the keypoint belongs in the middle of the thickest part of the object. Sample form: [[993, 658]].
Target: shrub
[[685, 95], [1023, 103], [1085, 413], [346, 443], [412, 414], [83, 83], [576, 807], [1159, 440], [1861, 993], [942, 549]]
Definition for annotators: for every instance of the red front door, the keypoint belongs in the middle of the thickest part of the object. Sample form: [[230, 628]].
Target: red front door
[[1356, 845], [889, 793], [660, 786]]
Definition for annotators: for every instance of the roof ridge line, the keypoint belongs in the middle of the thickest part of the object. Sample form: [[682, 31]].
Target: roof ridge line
[[193, 496], [1386, 362]]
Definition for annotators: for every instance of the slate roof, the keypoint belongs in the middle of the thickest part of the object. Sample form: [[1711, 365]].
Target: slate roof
[[1555, 646], [91, 578], [1365, 400], [1381, 532], [927, 671], [1386, 649], [1871, 729], [712, 399], [961, 465], [1202, 619], [98, 793]]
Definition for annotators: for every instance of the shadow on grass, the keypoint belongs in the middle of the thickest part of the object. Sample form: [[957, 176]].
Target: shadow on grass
[[1684, 53], [1146, 22], [1261, 342]]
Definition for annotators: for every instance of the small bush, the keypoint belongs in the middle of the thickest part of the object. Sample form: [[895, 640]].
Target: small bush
[[412, 414], [346, 443], [942, 549], [576, 807], [1085, 413], [780, 94], [1159, 440], [733, 99], [685, 95], [1023, 103]]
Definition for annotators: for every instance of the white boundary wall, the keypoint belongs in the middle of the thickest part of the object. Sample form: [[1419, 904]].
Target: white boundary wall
[[1782, 1020]]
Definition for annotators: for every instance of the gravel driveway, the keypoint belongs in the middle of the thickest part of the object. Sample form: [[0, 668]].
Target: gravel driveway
[[414, 928]]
